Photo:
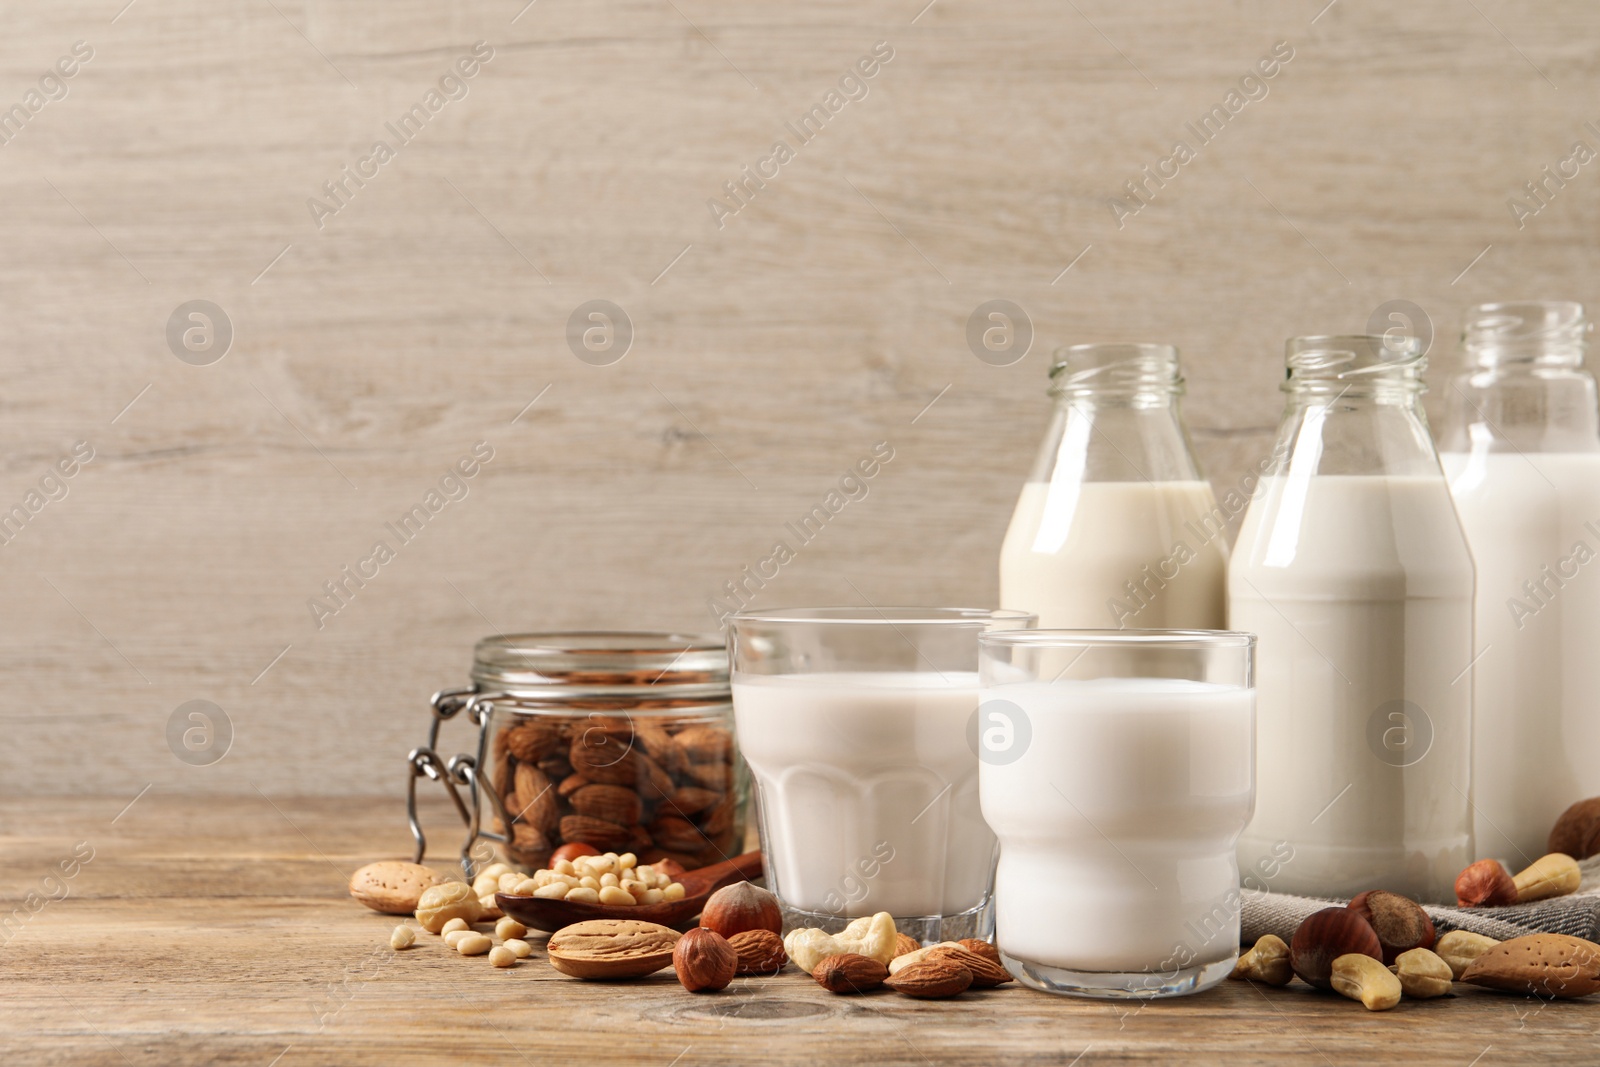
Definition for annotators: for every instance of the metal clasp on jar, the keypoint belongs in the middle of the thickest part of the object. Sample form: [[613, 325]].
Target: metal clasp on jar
[[460, 770]]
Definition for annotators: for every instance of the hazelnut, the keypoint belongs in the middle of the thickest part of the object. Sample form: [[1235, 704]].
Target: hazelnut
[[1399, 922], [736, 908], [704, 960], [1326, 935], [1577, 832], [1485, 884]]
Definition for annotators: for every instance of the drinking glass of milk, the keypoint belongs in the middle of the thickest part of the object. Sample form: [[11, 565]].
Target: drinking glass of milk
[[1117, 770], [859, 727], [1116, 526], [1522, 449], [1353, 573]]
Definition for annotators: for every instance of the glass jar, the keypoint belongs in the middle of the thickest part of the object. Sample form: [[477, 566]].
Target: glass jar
[[619, 740], [1353, 572], [1116, 526], [1522, 449]]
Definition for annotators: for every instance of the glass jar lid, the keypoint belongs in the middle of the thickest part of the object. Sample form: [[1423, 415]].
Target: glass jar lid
[[619, 665]]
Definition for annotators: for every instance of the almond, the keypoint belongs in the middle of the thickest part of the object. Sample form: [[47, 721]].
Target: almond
[[718, 776], [759, 952], [612, 803], [600, 757], [533, 741], [676, 835], [986, 973], [849, 973], [1544, 965], [706, 744], [985, 949], [535, 799], [571, 784], [904, 943], [659, 746], [719, 818], [602, 834], [931, 979], [688, 799]]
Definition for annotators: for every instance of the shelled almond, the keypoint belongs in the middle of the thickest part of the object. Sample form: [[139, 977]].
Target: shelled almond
[[661, 789]]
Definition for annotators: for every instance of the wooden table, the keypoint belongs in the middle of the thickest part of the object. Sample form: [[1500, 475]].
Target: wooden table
[[219, 931]]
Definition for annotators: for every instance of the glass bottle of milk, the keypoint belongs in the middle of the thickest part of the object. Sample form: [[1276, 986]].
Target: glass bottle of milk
[[1352, 570], [1116, 527], [1522, 450]]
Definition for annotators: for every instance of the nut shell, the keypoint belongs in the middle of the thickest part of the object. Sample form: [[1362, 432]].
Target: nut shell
[[1485, 884], [849, 973], [1326, 935], [1399, 922], [612, 948], [1542, 965], [704, 960], [733, 909], [393, 887], [1577, 832]]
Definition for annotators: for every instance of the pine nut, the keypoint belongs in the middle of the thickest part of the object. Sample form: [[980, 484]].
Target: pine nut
[[501, 956], [509, 928], [611, 894], [474, 944], [403, 937], [519, 948], [455, 924]]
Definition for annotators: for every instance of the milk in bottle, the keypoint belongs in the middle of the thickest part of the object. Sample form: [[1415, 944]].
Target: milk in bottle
[[1523, 454], [1352, 570], [1116, 526]]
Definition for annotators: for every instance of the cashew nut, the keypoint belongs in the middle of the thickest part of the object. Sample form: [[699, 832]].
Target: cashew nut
[[1422, 973], [871, 936], [1267, 962], [1360, 977]]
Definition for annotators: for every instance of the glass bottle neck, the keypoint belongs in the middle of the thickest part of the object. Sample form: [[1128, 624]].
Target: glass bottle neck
[[1117, 436], [1372, 430]]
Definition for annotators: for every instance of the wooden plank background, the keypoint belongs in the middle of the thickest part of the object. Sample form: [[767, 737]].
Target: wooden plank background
[[770, 354]]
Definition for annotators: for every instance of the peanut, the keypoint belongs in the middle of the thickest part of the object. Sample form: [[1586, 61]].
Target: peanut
[[473, 944], [403, 937], [1422, 973], [1360, 977], [501, 956], [508, 928]]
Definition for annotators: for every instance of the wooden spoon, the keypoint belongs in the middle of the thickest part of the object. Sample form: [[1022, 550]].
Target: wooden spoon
[[551, 914]]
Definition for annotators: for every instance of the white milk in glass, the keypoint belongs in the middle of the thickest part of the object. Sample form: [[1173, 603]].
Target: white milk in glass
[[868, 789], [1109, 554], [1533, 521], [1359, 588], [1118, 823]]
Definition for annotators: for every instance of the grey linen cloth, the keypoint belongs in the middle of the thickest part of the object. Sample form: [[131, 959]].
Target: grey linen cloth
[[1577, 914]]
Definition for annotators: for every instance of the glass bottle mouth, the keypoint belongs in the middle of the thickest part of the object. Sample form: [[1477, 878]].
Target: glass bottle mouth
[[1543, 332], [1345, 362], [1115, 368]]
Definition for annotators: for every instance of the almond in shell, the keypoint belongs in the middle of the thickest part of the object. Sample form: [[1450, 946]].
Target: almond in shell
[[393, 887], [1543, 965], [612, 948]]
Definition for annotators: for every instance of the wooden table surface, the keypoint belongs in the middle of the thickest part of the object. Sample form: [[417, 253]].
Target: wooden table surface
[[219, 931]]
